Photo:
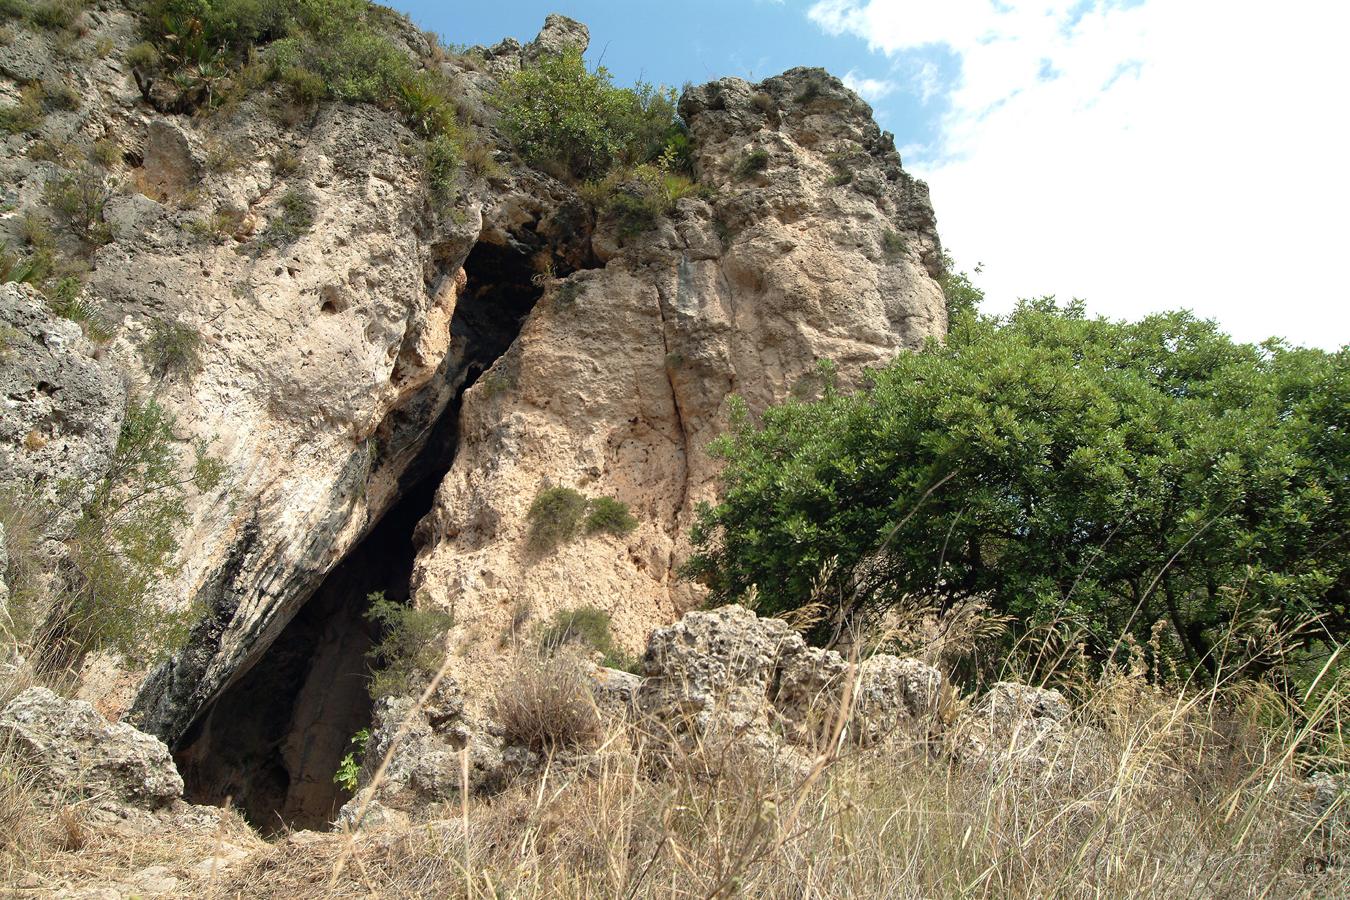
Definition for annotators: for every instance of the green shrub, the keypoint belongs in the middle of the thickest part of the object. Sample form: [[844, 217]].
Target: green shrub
[[285, 162], [561, 116], [585, 629], [124, 544], [27, 114], [636, 199], [752, 164], [65, 297], [56, 15], [411, 644], [172, 349], [20, 269], [1115, 474], [441, 161], [610, 516], [14, 9], [555, 517], [60, 95], [106, 152], [78, 199], [893, 244], [295, 216], [144, 55]]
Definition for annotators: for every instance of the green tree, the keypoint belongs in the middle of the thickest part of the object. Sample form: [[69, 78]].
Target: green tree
[[1113, 473], [559, 114]]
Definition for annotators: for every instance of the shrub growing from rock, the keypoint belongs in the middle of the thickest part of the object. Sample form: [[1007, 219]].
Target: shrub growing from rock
[[172, 349], [609, 516], [555, 517], [410, 646], [568, 119]]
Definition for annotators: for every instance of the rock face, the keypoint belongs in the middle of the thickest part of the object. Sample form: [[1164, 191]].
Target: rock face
[[371, 356], [60, 407], [623, 375], [72, 749]]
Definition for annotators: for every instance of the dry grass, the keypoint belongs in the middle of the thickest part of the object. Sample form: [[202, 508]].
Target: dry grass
[[50, 845], [1148, 792], [546, 705]]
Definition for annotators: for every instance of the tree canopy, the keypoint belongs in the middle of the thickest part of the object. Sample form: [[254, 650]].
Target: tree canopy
[[1057, 466]]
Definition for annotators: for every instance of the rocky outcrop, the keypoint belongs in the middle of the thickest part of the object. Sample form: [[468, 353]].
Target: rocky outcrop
[[727, 674], [60, 405], [73, 751], [338, 309], [1015, 725], [624, 374]]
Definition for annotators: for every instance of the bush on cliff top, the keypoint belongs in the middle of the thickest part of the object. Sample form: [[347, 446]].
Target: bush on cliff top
[[576, 122], [1114, 474]]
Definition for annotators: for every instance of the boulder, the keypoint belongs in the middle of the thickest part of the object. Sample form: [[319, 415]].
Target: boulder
[[558, 36], [1014, 725], [729, 674], [73, 749]]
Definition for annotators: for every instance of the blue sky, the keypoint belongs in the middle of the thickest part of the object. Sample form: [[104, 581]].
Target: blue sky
[[1142, 154]]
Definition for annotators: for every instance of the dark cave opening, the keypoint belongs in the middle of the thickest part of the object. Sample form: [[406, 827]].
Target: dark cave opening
[[271, 741]]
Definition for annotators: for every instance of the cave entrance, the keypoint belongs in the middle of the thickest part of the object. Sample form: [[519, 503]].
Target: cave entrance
[[271, 742]]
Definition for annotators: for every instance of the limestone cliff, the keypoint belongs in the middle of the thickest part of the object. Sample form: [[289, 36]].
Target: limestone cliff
[[390, 377]]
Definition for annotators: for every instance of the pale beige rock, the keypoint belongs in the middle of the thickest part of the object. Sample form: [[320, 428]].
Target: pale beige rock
[[623, 375]]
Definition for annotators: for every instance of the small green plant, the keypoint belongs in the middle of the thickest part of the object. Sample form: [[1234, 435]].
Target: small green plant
[[144, 56], [27, 114], [555, 517], [285, 162], [221, 157], [60, 95], [349, 769], [172, 349], [19, 269], [8, 338], [497, 382], [441, 160], [65, 297], [410, 646], [106, 152], [893, 244], [295, 216], [219, 227], [46, 150], [609, 516], [585, 629], [104, 47], [751, 164], [56, 15], [78, 199]]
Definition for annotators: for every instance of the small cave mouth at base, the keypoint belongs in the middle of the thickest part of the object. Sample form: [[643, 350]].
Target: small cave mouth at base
[[271, 743]]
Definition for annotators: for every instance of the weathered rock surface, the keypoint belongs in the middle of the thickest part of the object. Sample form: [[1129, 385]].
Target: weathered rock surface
[[342, 306], [75, 751], [728, 674], [60, 406], [1015, 725], [624, 374]]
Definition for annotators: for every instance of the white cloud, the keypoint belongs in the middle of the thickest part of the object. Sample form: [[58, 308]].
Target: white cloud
[[870, 89], [1146, 156]]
